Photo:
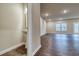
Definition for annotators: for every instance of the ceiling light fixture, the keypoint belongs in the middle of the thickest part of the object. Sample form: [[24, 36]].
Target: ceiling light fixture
[[46, 14], [65, 11]]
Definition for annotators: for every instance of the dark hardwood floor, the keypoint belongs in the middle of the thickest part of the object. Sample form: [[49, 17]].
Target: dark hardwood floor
[[59, 45], [20, 51]]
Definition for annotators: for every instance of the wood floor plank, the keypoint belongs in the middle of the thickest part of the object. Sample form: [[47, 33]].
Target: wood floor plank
[[59, 45]]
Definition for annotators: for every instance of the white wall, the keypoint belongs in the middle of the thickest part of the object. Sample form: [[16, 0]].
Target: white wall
[[50, 27], [42, 26], [33, 28], [11, 21]]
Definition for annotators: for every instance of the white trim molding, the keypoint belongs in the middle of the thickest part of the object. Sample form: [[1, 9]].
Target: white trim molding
[[36, 50], [11, 48]]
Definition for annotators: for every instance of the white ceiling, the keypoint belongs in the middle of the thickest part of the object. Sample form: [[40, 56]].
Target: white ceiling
[[55, 10]]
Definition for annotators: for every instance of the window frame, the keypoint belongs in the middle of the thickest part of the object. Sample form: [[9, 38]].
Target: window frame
[[62, 25]]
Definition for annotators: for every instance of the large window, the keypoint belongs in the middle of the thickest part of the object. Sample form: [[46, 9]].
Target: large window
[[61, 27], [76, 27]]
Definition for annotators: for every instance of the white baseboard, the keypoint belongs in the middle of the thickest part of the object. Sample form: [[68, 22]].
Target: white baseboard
[[43, 34], [11, 48], [36, 50]]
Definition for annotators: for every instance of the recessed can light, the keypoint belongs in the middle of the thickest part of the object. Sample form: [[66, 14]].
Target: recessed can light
[[46, 14], [65, 11]]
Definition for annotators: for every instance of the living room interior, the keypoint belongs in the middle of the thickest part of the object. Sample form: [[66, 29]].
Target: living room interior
[[62, 29], [39, 29]]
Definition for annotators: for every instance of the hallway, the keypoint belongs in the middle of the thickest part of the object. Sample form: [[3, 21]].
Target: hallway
[[59, 45]]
